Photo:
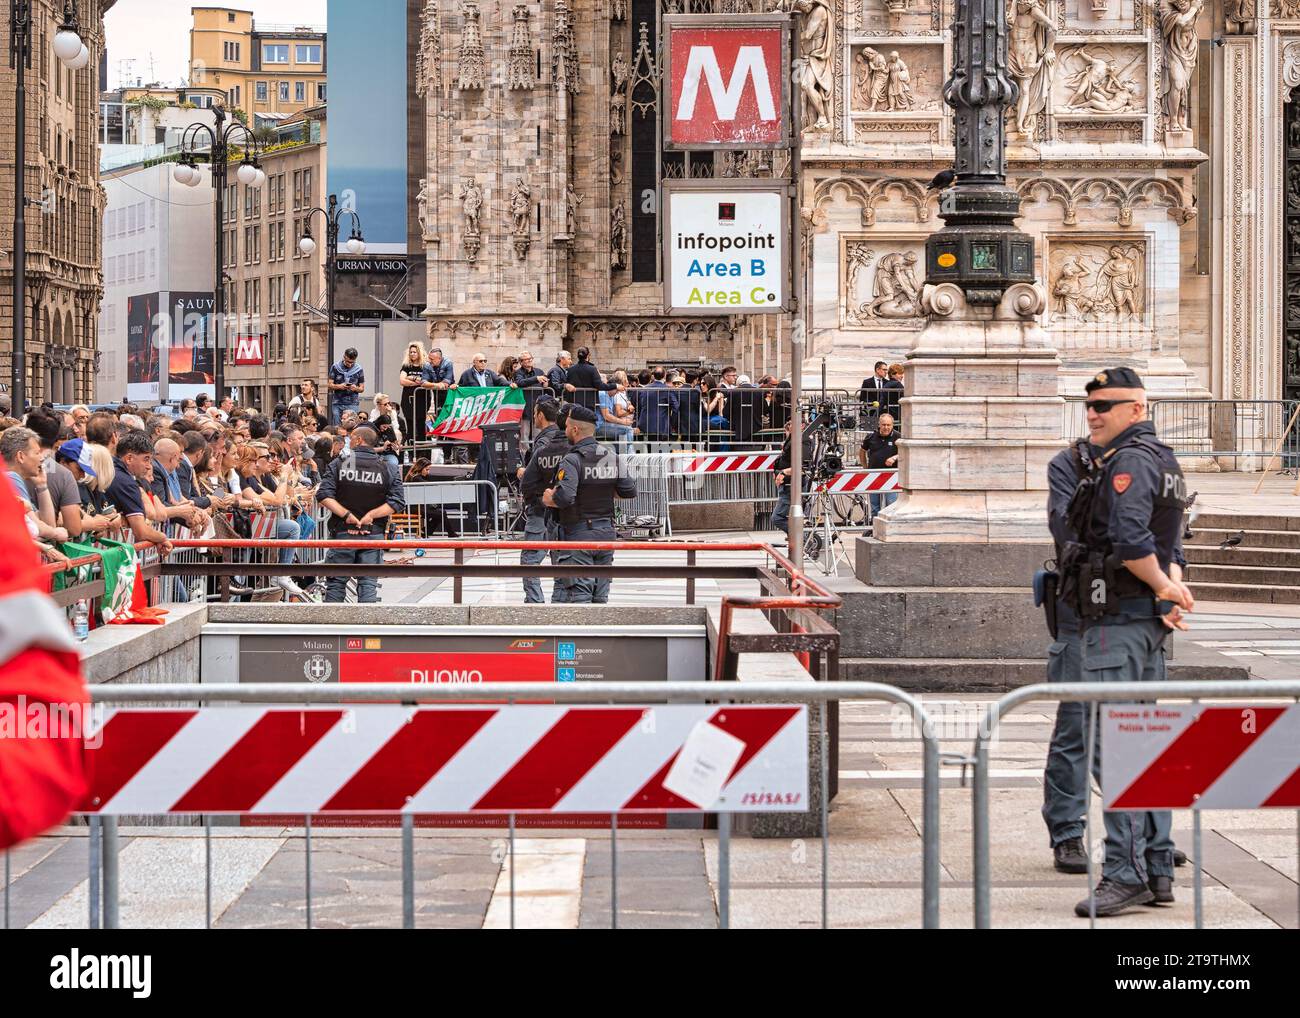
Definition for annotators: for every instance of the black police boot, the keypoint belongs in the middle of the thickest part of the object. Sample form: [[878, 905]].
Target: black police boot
[[1114, 898], [1180, 857], [1162, 890], [1069, 856]]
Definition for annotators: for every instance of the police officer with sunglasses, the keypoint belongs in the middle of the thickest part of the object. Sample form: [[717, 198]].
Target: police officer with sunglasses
[[1123, 576]]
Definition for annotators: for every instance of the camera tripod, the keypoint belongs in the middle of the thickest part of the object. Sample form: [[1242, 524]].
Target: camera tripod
[[827, 515]]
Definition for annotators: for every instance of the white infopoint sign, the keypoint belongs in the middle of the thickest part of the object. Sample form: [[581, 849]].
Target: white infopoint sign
[[725, 250]]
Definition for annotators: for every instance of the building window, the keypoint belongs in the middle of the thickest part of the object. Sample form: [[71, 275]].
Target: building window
[[235, 95], [320, 91], [230, 18], [230, 51], [260, 91], [275, 54], [308, 195], [300, 91], [307, 54], [284, 91]]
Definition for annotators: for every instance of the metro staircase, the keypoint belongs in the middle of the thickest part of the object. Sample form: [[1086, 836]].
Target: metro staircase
[[1264, 568]]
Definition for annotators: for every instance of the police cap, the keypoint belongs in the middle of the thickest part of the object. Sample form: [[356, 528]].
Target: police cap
[[1115, 378], [583, 414]]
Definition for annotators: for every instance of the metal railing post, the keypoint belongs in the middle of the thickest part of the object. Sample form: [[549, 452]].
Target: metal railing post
[[613, 871], [92, 877], [111, 918], [408, 871], [929, 826], [1198, 891], [306, 824], [825, 750], [511, 857], [724, 871], [207, 874]]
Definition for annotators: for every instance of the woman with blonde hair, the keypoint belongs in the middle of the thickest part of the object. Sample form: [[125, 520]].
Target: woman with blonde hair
[[415, 398]]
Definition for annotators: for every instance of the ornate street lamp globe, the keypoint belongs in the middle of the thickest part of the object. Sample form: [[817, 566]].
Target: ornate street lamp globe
[[67, 45]]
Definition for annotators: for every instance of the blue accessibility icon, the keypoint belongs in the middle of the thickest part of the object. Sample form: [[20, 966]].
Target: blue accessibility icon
[[567, 651], [566, 675]]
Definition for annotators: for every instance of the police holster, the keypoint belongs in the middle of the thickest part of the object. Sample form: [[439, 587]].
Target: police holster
[[1046, 585]]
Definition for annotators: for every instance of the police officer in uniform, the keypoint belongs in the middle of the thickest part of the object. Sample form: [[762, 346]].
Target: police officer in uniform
[[1124, 577], [586, 485], [1066, 773], [361, 491], [549, 448]]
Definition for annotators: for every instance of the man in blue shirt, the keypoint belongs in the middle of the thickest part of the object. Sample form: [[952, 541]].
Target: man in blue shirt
[[346, 382], [132, 463], [438, 376]]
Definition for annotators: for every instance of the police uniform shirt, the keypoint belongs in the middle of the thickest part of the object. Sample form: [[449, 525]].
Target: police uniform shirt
[[544, 457], [881, 448], [124, 492], [360, 481], [1139, 507], [587, 481]]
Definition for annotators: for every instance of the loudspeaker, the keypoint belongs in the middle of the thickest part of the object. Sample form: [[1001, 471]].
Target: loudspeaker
[[503, 440]]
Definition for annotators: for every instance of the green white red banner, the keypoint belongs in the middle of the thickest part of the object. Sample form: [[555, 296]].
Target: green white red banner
[[469, 409]]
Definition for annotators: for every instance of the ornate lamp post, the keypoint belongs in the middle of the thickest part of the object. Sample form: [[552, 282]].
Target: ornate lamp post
[[979, 248], [356, 245], [74, 54], [250, 174]]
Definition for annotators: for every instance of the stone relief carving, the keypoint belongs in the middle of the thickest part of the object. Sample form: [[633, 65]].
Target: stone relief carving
[[618, 236], [815, 75], [895, 289], [521, 51], [429, 79], [471, 199], [1095, 85], [1178, 27], [643, 92], [616, 175], [867, 193], [521, 208], [1031, 62], [1284, 8], [1098, 282], [1096, 193], [1290, 66], [618, 10], [882, 84], [471, 73]]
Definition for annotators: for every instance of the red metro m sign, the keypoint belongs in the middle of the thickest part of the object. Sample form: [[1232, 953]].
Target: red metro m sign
[[728, 81]]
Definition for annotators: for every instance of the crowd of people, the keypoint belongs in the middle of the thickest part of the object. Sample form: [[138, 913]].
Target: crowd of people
[[130, 473], [653, 404]]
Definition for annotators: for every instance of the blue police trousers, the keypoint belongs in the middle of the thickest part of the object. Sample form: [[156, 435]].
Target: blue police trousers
[[1139, 845], [589, 589], [367, 586], [1066, 773], [536, 528]]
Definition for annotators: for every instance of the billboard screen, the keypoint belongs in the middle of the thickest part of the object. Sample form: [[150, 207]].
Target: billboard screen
[[367, 118], [146, 338], [189, 361]]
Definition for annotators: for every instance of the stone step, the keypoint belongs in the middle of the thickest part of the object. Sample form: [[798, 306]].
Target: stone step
[[1241, 555], [1241, 592], [1253, 538], [1241, 573], [1233, 522]]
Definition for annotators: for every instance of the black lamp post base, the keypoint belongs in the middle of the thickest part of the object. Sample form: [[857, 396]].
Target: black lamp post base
[[979, 247]]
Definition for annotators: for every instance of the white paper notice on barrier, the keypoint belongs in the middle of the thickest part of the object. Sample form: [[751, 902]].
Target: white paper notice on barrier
[[704, 764]]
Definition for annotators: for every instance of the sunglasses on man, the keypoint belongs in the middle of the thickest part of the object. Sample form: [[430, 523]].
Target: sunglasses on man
[[1105, 406]]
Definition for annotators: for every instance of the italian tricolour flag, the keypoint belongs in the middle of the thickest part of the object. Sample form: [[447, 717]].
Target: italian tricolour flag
[[469, 409]]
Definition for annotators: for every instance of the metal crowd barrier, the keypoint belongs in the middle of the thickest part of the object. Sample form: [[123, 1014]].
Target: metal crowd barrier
[[452, 508], [722, 478], [1096, 693], [104, 842], [1249, 431]]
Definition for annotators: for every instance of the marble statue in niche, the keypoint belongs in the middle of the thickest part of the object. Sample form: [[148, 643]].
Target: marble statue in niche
[[422, 207], [571, 202], [1178, 26], [816, 59], [618, 236], [1097, 87], [471, 197], [1031, 61]]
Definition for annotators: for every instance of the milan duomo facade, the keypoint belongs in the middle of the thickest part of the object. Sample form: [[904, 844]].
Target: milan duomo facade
[[1154, 144]]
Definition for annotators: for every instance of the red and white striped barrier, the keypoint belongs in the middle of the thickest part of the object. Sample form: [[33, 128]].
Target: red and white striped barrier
[[726, 463], [448, 759], [851, 481], [1172, 757]]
